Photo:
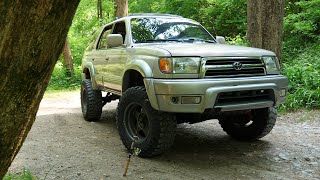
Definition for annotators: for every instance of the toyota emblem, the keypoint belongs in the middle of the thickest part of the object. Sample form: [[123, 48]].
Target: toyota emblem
[[237, 66]]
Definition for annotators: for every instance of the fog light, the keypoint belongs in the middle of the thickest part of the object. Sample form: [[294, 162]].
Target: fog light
[[175, 100], [283, 92], [191, 100]]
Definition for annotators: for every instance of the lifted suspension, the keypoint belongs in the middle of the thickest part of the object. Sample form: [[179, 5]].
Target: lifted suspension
[[108, 98]]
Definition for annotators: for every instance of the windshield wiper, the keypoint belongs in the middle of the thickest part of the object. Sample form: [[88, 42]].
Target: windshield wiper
[[210, 41], [161, 40], [199, 39], [177, 40]]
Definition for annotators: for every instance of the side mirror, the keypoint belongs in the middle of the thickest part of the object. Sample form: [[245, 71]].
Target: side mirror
[[221, 40], [114, 40]]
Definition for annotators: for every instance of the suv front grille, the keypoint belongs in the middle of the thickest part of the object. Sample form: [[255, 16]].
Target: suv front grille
[[233, 67]]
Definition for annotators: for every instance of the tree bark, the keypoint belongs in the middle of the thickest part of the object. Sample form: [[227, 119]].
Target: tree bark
[[68, 62], [265, 24], [32, 36], [121, 7], [99, 8]]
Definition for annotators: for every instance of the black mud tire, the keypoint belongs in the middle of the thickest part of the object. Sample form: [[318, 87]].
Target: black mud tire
[[91, 101], [136, 117], [249, 126]]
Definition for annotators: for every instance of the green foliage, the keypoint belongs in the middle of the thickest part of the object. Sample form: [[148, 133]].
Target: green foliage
[[303, 18], [238, 40], [303, 72], [227, 18], [293, 47], [186, 8], [85, 24], [310, 54], [59, 79], [146, 6], [24, 175]]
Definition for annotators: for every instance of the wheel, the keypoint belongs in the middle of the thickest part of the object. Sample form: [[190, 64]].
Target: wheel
[[91, 101], [252, 125], [136, 118]]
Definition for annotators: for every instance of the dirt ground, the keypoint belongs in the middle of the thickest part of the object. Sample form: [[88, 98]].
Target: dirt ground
[[61, 145]]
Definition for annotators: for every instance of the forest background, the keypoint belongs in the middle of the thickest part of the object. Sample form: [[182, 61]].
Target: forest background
[[301, 43]]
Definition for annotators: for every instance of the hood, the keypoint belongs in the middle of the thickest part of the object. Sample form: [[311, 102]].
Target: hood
[[208, 49]]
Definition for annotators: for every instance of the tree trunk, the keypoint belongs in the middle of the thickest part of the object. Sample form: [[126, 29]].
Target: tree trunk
[[32, 36], [99, 8], [121, 7], [68, 62], [265, 24]]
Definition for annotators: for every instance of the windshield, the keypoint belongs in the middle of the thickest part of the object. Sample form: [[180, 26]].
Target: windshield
[[146, 30]]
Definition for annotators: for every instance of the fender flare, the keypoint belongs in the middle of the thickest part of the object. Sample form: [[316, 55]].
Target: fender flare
[[146, 72], [90, 67], [141, 66]]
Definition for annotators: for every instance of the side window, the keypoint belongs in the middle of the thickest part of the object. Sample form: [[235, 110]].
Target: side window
[[103, 38], [120, 28]]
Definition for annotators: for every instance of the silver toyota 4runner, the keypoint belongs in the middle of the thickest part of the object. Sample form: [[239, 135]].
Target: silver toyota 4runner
[[166, 69]]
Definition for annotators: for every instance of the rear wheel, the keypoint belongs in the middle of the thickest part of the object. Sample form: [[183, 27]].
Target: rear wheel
[[251, 125], [91, 101], [136, 119]]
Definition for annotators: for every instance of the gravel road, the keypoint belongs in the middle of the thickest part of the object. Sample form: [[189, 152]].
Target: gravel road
[[61, 145]]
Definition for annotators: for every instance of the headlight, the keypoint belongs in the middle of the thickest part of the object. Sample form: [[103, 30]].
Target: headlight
[[272, 64], [180, 65]]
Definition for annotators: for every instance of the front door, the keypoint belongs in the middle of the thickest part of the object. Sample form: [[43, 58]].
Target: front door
[[116, 64], [100, 55], [116, 58]]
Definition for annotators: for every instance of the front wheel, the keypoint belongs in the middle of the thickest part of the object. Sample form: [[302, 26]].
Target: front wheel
[[91, 101], [136, 119], [250, 125]]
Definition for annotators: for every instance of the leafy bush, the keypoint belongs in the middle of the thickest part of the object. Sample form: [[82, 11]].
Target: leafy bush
[[228, 17], [303, 73], [304, 89], [60, 81], [293, 47], [238, 40], [303, 18], [310, 54]]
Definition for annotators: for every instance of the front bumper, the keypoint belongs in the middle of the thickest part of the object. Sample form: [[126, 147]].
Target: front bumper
[[165, 94]]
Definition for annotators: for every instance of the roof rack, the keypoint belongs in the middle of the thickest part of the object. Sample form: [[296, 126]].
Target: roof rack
[[154, 14]]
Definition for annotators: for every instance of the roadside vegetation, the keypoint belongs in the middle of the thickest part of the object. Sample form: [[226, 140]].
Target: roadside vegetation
[[301, 46], [23, 175]]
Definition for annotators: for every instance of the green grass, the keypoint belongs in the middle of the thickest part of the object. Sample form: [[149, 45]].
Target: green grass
[[24, 175]]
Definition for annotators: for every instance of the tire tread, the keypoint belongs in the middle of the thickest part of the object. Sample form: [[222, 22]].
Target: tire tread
[[164, 131], [267, 119], [94, 102]]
